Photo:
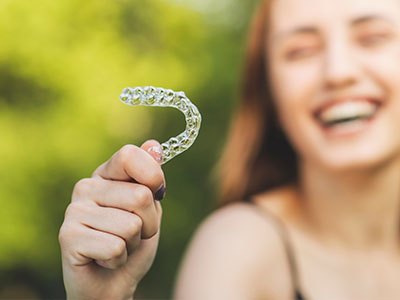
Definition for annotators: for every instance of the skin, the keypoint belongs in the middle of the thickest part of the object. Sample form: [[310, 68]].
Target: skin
[[338, 59], [110, 233], [342, 215]]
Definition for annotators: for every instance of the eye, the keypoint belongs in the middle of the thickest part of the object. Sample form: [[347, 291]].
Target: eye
[[375, 39], [299, 53]]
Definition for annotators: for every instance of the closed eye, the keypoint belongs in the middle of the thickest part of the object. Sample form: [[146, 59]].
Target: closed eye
[[374, 39], [300, 53]]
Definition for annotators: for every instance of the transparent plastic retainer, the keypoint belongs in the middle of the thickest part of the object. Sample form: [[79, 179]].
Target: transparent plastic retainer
[[152, 96]]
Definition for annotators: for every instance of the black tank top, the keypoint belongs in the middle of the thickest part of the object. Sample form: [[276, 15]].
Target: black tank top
[[289, 252]]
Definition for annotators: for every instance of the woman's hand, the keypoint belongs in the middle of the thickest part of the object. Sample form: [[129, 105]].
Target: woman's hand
[[110, 232]]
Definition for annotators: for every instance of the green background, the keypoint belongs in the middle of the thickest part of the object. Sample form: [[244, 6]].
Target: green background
[[63, 64]]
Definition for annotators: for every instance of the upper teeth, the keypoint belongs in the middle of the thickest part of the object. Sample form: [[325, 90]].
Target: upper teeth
[[347, 110]]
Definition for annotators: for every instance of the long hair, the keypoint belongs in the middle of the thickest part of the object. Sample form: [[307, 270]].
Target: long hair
[[257, 154]]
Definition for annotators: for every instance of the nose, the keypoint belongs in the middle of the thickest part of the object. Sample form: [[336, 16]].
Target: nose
[[340, 67]]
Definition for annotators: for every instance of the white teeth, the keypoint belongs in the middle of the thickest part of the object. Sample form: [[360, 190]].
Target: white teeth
[[348, 110]]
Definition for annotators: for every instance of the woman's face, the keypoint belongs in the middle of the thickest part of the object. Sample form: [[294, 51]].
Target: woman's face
[[335, 74]]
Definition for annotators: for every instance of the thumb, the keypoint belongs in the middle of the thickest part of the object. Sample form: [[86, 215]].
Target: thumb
[[154, 149]]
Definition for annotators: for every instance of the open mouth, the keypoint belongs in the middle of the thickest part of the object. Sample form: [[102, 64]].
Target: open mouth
[[347, 113]]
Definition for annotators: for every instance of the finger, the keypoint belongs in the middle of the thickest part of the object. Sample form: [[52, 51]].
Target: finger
[[130, 197], [83, 244], [132, 162], [111, 264], [154, 148], [121, 223], [158, 211]]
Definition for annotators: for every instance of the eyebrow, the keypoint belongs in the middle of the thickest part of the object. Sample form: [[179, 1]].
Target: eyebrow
[[313, 30], [368, 18]]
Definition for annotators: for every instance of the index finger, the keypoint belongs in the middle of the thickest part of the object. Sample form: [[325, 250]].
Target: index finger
[[132, 163]]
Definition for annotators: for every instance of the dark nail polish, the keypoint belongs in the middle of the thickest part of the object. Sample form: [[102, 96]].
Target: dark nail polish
[[159, 195]]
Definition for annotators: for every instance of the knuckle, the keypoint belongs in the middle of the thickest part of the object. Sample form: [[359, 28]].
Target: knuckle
[[156, 175], [126, 153], [134, 227], [143, 197], [74, 209], [61, 235], [151, 232], [82, 188], [66, 233], [116, 248], [152, 229], [70, 211]]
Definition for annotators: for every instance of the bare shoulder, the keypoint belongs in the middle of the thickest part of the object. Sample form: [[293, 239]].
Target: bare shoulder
[[236, 253]]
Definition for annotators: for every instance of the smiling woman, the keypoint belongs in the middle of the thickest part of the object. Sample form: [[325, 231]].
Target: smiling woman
[[314, 144], [341, 68], [309, 179]]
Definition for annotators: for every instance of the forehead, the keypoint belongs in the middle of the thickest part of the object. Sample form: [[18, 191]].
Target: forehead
[[286, 14]]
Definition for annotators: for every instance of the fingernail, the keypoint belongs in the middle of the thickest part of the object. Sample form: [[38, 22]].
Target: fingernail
[[156, 152], [159, 195]]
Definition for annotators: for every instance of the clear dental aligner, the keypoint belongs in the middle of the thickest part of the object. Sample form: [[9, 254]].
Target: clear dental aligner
[[152, 96]]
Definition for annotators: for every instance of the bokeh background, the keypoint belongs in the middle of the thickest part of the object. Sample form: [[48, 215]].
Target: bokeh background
[[63, 64]]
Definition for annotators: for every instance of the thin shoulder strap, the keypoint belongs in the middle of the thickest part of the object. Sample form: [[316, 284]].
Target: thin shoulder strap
[[285, 238]]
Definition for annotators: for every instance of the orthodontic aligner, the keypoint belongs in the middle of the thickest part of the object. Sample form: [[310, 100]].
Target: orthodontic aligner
[[152, 96]]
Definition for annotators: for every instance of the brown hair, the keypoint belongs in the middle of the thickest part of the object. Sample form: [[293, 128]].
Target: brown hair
[[257, 155]]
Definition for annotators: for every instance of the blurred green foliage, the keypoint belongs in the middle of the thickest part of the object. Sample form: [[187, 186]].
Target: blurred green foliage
[[63, 65]]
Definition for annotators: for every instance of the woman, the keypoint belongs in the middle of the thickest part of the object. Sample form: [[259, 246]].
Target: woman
[[312, 166]]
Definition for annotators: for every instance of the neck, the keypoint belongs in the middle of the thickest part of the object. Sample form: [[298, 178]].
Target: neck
[[358, 209]]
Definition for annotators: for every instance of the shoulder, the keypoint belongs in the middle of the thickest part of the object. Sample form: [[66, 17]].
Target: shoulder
[[235, 244]]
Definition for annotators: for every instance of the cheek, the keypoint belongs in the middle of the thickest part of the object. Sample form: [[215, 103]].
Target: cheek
[[295, 88], [384, 68], [296, 83]]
